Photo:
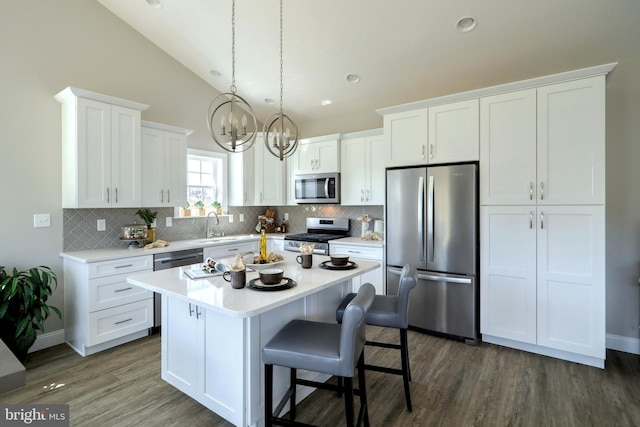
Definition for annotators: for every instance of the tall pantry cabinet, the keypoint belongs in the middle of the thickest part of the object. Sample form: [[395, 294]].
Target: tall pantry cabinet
[[542, 157]]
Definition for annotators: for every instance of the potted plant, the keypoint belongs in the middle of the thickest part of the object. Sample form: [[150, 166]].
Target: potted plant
[[200, 206], [186, 211], [149, 218], [23, 306], [218, 207]]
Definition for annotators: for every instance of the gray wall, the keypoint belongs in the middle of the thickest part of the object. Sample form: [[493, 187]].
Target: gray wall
[[48, 45]]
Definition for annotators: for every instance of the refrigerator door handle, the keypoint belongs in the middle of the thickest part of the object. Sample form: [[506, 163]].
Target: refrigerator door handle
[[421, 216], [444, 279], [396, 271], [430, 219]]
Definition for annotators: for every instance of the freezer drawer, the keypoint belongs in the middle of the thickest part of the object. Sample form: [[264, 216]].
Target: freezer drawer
[[441, 303]]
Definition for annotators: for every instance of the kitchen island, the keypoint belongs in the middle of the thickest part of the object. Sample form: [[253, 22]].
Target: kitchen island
[[212, 334]]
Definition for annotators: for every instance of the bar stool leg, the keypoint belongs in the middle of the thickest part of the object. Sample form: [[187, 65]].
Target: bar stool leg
[[405, 367], [292, 401], [268, 395], [348, 400], [363, 392]]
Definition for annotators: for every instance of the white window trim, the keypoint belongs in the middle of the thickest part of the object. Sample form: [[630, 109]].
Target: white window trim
[[225, 170]]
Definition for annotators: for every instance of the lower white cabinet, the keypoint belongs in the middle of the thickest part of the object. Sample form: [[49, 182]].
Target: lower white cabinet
[[365, 251], [542, 280], [101, 309], [230, 250]]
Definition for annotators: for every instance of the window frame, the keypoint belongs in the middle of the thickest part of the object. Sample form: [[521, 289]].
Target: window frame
[[223, 157]]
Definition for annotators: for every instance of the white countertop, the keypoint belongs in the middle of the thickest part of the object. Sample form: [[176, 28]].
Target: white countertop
[[217, 294]]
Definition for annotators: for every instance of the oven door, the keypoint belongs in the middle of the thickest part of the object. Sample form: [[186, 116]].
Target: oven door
[[317, 188]]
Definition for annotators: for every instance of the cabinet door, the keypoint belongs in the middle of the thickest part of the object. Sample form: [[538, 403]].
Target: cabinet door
[[176, 169], [305, 159], [406, 137], [374, 185], [353, 175], [269, 177], [182, 342], [571, 282], [328, 157], [508, 149], [508, 272], [453, 132], [571, 135], [126, 179], [93, 158], [241, 177], [153, 170]]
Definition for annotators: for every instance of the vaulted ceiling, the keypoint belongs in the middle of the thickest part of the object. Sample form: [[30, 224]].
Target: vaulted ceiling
[[403, 50]]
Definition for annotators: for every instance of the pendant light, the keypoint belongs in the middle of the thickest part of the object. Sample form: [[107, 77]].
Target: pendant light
[[280, 132], [226, 108]]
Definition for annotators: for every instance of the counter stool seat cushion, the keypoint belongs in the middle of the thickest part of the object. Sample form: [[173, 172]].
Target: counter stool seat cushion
[[383, 311]]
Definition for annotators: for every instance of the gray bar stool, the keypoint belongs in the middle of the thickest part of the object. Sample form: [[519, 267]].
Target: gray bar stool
[[328, 348], [391, 311]]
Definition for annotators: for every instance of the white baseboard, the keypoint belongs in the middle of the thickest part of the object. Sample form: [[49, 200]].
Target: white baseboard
[[47, 340], [626, 344]]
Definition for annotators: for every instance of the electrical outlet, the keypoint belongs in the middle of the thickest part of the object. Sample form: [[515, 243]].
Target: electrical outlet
[[168, 221], [101, 225], [41, 220], [286, 216], [230, 216], [241, 217]]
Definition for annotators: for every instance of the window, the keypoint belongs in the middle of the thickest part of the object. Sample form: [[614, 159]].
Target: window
[[206, 177]]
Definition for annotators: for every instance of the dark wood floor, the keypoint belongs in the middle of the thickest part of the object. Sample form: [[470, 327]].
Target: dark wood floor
[[453, 385]]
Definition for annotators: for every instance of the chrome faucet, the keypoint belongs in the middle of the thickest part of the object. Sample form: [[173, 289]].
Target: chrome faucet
[[211, 232]]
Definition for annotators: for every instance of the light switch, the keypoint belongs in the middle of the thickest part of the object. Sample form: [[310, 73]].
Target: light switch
[[286, 216], [241, 217], [41, 220], [168, 221], [101, 225]]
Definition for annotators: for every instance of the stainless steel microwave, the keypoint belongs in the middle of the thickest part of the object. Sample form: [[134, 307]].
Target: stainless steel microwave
[[317, 188]]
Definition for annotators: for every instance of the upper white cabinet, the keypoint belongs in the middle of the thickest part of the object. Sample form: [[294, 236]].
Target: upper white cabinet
[[164, 163], [362, 170], [241, 178], [317, 155], [438, 134], [405, 136], [101, 150], [453, 132], [544, 145]]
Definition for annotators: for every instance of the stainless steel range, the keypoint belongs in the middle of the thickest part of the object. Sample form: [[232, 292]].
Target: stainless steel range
[[319, 232]]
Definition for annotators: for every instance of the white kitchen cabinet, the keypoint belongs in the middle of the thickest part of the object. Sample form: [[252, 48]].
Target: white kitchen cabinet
[[230, 250], [317, 155], [101, 150], [101, 310], [545, 145], [364, 251], [242, 177], [437, 134], [269, 180], [362, 171], [164, 165], [275, 244], [542, 275], [453, 131], [405, 135]]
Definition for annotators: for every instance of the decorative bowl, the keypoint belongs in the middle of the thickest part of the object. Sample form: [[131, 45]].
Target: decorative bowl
[[339, 259], [271, 276]]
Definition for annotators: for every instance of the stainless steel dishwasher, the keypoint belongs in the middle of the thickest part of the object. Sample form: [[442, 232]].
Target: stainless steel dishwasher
[[170, 260]]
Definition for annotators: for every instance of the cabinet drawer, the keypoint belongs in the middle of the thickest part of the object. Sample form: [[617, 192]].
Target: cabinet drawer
[[111, 291], [360, 252], [230, 251], [120, 266], [119, 321]]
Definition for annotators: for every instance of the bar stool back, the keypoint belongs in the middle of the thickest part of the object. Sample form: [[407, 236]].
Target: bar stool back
[[328, 348], [391, 311]]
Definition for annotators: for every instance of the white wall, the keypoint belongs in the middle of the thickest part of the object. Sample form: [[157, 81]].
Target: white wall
[[48, 45]]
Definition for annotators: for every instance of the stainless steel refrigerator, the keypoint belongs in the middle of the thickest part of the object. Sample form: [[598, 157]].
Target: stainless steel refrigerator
[[432, 222]]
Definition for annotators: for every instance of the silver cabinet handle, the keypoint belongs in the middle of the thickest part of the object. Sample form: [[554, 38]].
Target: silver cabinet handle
[[541, 220], [541, 190], [362, 195], [123, 266], [123, 289], [312, 166], [161, 196], [108, 195], [124, 321], [116, 194], [351, 251], [198, 313], [531, 191], [367, 198], [431, 151], [423, 152], [190, 310], [531, 220], [168, 196]]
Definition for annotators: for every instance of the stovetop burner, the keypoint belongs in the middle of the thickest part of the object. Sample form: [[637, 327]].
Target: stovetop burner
[[319, 231], [313, 237]]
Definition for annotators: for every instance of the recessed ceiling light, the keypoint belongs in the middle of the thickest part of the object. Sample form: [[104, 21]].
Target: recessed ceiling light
[[466, 24], [154, 3], [352, 78], [214, 73], [325, 102], [269, 101]]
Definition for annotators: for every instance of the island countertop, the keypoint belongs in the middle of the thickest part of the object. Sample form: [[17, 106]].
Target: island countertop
[[216, 294]]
